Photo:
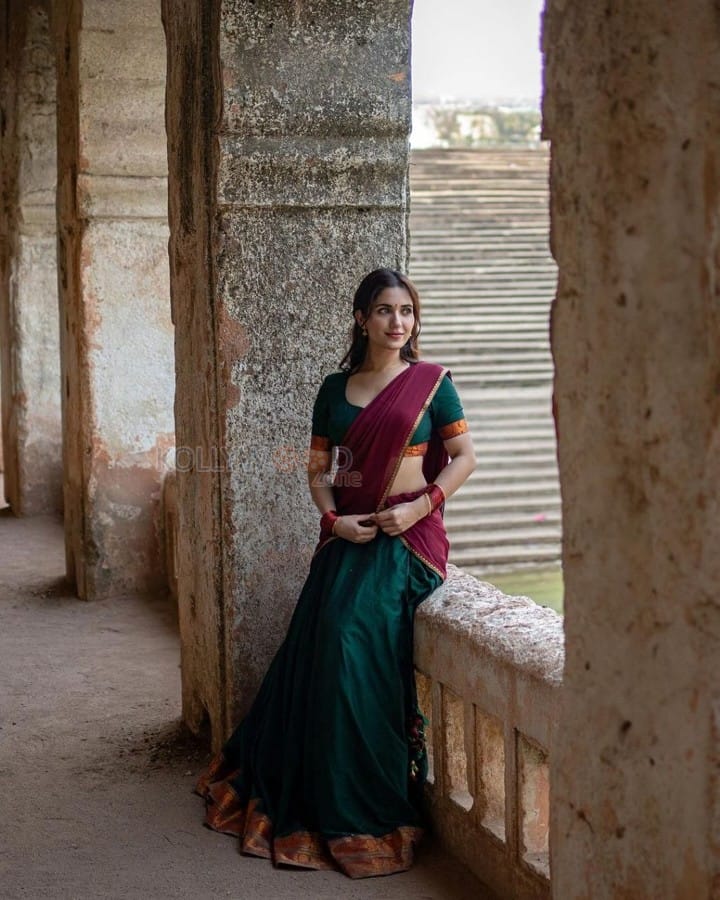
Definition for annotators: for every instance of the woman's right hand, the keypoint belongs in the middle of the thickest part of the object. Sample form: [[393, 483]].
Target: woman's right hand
[[349, 528]]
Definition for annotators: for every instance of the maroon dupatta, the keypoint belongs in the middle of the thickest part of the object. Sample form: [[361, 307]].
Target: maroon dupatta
[[373, 449]]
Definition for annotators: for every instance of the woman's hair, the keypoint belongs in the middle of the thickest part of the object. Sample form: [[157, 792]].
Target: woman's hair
[[370, 287]]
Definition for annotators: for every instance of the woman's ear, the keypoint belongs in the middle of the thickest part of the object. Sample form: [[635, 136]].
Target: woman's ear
[[359, 318]]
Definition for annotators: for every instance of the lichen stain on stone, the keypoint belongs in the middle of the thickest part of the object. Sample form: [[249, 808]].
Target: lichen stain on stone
[[164, 443], [233, 344], [694, 879], [123, 543], [90, 316], [128, 485]]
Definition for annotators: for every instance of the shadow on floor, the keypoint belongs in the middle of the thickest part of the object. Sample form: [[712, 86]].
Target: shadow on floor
[[100, 768]]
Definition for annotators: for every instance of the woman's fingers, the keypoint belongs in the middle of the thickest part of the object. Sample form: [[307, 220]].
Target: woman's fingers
[[357, 528], [397, 524], [365, 528]]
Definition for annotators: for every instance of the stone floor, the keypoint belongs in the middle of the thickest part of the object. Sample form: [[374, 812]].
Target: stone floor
[[95, 769]]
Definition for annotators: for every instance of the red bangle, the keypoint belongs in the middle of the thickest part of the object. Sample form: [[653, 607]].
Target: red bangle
[[327, 524], [436, 494]]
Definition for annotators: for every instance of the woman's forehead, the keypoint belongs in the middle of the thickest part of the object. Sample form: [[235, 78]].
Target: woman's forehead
[[392, 296]]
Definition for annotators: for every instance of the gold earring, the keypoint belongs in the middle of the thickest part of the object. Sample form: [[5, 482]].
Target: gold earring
[[364, 331]]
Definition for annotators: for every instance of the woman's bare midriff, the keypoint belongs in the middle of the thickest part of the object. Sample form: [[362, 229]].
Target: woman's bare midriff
[[409, 476]]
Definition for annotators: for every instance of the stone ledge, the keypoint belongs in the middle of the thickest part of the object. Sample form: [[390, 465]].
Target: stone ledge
[[511, 630], [122, 197]]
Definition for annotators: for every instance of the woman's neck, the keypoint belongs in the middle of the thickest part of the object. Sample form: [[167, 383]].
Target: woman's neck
[[378, 361]]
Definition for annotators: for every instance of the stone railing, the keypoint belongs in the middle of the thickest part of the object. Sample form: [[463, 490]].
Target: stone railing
[[489, 673]]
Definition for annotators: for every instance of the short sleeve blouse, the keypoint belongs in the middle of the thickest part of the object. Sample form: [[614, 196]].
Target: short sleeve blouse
[[333, 415]]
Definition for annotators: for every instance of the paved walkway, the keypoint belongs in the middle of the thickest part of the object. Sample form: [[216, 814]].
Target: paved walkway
[[95, 770]]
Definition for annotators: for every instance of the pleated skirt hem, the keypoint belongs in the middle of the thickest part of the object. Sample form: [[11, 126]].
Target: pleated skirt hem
[[356, 855]]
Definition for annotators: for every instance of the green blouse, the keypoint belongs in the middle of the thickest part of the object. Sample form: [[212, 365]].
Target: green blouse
[[333, 415]]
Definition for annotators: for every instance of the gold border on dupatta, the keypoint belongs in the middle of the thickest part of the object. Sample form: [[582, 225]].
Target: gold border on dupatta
[[386, 492], [423, 410], [422, 558]]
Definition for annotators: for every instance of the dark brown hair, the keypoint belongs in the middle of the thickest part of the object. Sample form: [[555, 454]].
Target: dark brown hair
[[370, 287]]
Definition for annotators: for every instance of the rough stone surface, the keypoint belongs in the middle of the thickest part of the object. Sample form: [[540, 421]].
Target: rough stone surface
[[117, 334], [287, 129], [631, 111], [514, 631], [29, 328]]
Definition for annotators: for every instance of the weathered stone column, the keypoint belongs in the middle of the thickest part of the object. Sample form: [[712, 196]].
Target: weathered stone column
[[29, 339], [117, 340], [287, 130], [631, 110]]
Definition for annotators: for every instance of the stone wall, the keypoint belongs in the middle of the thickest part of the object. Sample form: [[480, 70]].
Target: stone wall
[[287, 130], [29, 339], [117, 336], [631, 111]]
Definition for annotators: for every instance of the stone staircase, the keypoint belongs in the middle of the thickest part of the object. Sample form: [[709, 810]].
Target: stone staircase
[[479, 255]]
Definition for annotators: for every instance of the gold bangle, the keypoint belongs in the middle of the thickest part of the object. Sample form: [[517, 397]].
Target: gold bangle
[[429, 504]]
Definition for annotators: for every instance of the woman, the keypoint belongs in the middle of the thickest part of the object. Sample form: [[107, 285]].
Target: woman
[[327, 769]]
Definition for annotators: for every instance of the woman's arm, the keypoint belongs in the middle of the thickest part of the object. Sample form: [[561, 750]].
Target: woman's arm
[[397, 519], [462, 462], [318, 471], [346, 527]]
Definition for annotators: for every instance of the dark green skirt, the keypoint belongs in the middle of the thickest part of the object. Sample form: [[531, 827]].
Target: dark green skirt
[[327, 768]]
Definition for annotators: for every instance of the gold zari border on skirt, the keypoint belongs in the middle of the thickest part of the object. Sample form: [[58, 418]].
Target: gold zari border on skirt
[[357, 855]]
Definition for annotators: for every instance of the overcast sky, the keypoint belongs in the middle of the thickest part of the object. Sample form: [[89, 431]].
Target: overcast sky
[[476, 49]]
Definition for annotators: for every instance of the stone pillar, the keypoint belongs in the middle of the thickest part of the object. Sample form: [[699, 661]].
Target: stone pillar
[[631, 111], [29, 339], [287, 133], [116, 335]]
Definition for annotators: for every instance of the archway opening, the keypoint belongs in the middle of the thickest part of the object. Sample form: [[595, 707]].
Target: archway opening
[[479, 252]]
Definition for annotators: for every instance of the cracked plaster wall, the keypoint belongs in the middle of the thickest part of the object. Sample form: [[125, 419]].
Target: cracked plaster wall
[[117, 335]]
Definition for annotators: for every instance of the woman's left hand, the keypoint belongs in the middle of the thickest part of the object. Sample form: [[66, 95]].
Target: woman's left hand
[[396, 519]]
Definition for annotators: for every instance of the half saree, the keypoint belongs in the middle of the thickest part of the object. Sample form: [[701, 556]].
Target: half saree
[[327, 769]]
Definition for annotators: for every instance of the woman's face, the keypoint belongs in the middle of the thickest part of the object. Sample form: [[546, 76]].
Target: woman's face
[[391, 319]]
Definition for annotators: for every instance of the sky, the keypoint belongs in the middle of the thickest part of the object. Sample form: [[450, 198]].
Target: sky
[[476, 49]]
